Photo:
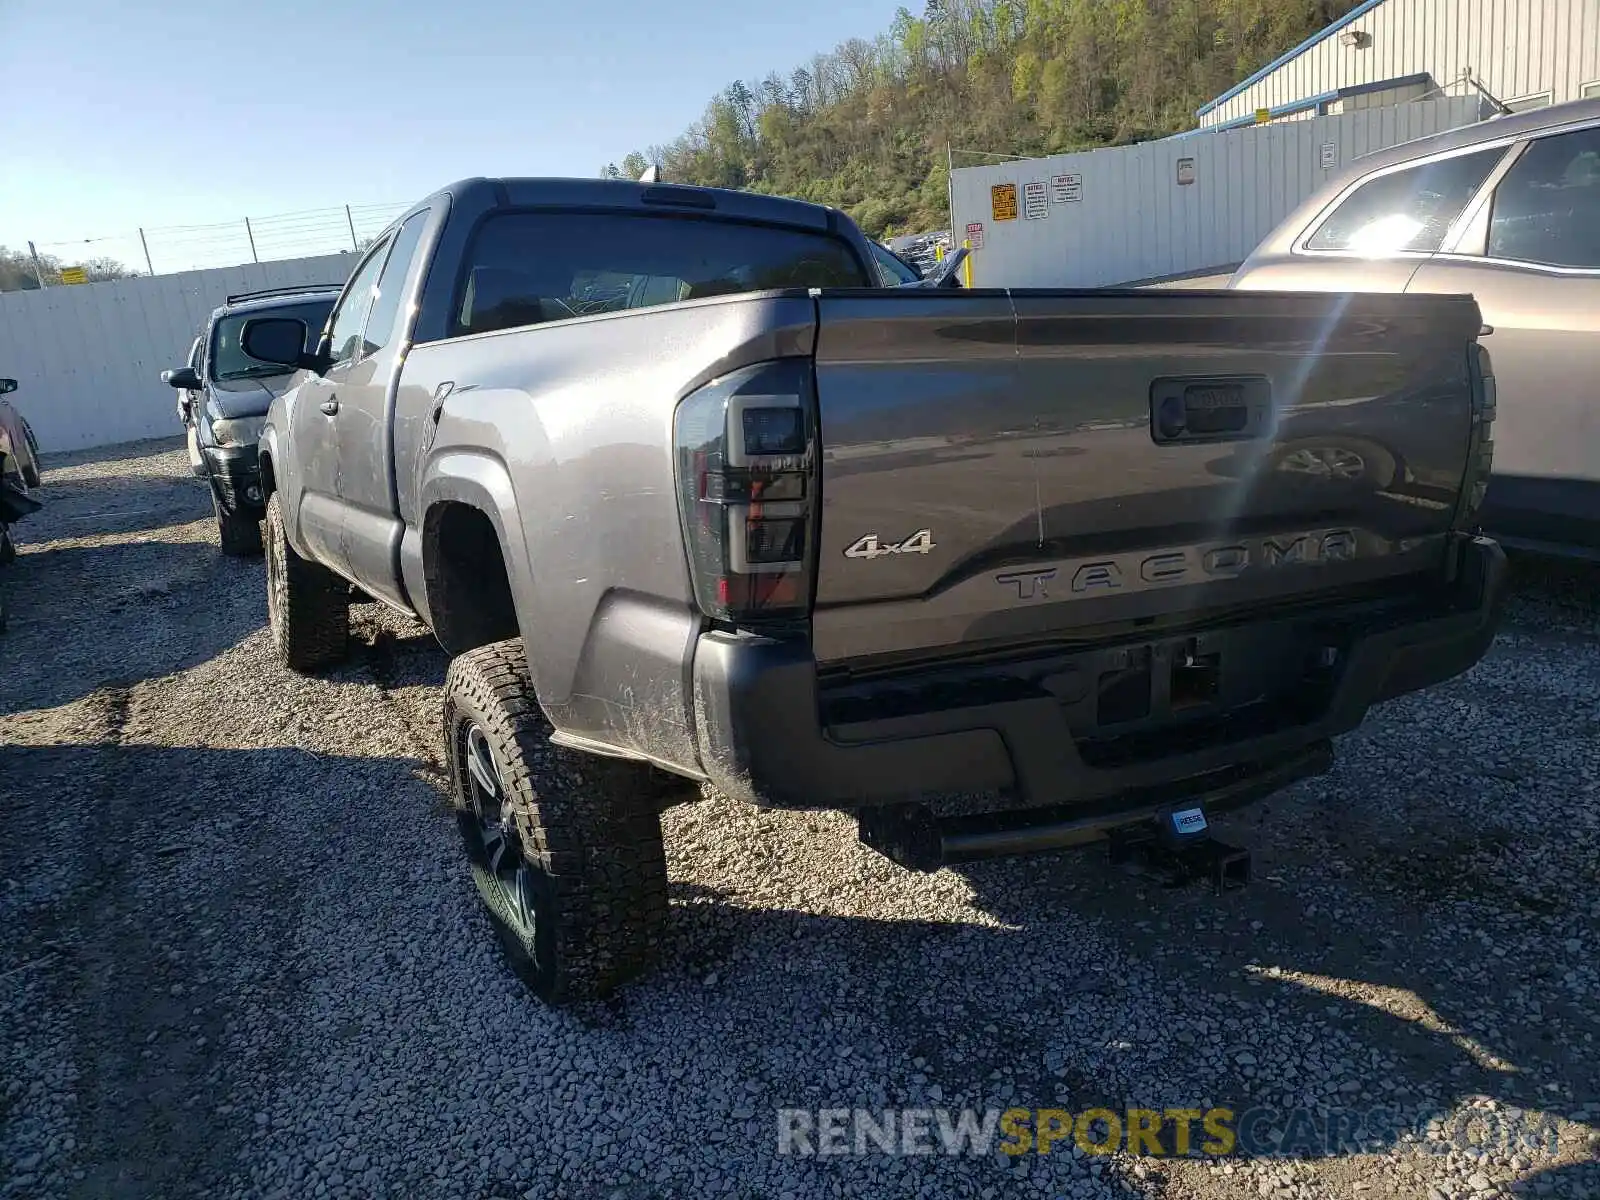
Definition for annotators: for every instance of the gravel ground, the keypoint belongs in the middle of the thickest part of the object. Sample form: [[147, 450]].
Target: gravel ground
[[242, 955]]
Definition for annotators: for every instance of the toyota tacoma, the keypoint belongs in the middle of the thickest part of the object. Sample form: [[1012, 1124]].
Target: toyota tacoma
[[688, 497]]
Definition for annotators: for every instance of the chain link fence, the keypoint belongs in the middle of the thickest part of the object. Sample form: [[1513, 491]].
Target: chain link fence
[[163, 250]]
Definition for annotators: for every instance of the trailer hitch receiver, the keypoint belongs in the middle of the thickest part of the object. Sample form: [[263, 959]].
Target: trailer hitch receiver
[[1179, 847]]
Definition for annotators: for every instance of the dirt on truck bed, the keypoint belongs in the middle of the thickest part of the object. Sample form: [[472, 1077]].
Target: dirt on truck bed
[[242, 955]]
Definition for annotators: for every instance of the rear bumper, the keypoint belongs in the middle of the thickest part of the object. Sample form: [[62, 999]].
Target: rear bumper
[[762, 737], [235, 474]]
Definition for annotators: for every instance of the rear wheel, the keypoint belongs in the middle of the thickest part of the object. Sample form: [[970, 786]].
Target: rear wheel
[[565, 848], [308, 606], [240, 533]]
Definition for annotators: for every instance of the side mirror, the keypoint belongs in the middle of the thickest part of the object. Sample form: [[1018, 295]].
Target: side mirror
[[7, 386], [183, 378], [949, 273], [280, 340]]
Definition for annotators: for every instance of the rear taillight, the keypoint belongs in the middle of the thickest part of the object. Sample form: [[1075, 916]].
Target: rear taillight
[[1480, 444], [747, 453]]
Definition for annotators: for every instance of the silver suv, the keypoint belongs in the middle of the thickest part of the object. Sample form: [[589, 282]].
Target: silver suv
[[1508, 211]]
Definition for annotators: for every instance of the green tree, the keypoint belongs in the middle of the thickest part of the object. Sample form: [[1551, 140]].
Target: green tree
[[866, 127], [17, 273]]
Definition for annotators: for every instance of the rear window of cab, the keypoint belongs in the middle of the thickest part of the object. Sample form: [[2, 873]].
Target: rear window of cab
[[524, 268]]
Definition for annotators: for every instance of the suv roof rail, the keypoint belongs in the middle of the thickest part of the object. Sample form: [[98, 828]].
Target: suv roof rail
[[284, 291]]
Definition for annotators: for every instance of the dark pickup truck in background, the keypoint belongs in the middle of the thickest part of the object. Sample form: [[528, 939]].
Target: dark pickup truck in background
[[688, 496], [223, 396]]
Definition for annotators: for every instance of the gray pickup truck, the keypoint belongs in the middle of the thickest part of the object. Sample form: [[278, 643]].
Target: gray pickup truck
[[689, 498]]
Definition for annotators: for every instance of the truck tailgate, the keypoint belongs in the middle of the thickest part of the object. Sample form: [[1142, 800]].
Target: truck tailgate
[[1015, 466]]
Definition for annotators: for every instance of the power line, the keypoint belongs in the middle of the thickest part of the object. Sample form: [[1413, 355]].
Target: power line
[[299, 233]]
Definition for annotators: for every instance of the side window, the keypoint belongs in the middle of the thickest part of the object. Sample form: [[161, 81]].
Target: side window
[[382, 321], [345, 324], [195, 355], [1406, 210], [1547, 208], [891, 271]]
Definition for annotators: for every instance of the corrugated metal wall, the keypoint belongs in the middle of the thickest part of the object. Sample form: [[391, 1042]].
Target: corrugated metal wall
[[1134, 220], [88, 358], [1515, 47]]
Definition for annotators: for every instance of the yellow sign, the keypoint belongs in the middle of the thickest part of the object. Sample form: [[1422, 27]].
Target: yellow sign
[[1003, 201], [74, 275], [1263, 115]]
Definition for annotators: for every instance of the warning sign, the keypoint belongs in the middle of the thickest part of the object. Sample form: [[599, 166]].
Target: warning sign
[[1066, 189], [1035, 201], [1185, 172], [1330, 155], [1003, 201], [74, 275], [975, 234]]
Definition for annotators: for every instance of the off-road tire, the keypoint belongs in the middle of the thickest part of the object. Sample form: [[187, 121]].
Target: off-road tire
[[239, 533], [587, 828], [31, 471], [308, 606]]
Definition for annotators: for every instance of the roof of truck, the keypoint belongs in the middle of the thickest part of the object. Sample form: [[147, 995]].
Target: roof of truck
[[534, 192], [270, 298]]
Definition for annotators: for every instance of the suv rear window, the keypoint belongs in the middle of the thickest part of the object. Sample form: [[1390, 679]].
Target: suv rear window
[[1406, 210], [528, 267]]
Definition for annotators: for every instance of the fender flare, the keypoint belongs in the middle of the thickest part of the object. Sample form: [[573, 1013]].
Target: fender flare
[[480, 480], [270, 452]]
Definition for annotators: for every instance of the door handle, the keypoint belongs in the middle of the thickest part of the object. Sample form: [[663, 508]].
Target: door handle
[[330, 406]]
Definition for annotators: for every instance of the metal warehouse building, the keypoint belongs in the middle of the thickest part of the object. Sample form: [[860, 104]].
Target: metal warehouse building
[[1522, 53]]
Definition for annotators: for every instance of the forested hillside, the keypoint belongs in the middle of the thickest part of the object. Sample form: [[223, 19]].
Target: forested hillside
[[866, 127]]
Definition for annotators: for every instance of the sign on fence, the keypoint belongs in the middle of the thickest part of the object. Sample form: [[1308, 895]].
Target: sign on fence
[[1003, 201], [74, 275], [1035, 202], [1066, 189]]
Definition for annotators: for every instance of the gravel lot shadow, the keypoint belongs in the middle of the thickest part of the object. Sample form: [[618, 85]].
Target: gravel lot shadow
[[118, 460], [149, 956], [110, 506], [1256, 1002], [1561, 592], [1388, 970], [164, 605]]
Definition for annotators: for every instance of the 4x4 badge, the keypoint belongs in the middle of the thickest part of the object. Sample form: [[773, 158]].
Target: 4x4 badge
[[920, 542]]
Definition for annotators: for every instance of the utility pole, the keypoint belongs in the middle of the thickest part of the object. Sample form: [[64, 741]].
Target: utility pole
[[350, 221], [149, 266], [250, 233], [38, 271], [950, 187]]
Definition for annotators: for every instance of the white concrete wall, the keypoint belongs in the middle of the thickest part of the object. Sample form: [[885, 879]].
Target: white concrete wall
[[1515, 47], [88, 358], [1135, 221]]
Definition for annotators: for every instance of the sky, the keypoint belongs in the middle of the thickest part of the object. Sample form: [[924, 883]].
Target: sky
[[172, 113]]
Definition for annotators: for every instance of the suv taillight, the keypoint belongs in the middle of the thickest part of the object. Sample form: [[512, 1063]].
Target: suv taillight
[[746, 446], [1480, 444]]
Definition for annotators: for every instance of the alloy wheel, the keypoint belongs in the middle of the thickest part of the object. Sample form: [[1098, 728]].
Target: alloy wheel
[[493, 827]]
